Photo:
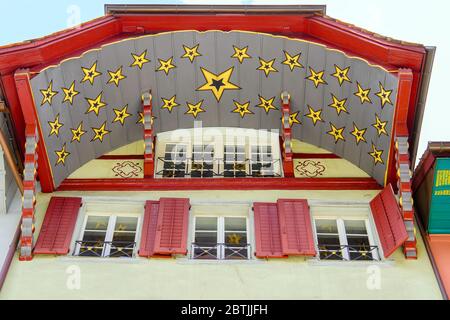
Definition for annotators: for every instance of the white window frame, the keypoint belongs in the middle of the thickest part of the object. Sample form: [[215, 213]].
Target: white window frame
[[109, 231], [343, 235]]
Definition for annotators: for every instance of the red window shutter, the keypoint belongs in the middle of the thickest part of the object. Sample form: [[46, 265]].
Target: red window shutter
[[57, 228], [267, 230], [295, 225], [172, 226], [147, 246], [388, 220]]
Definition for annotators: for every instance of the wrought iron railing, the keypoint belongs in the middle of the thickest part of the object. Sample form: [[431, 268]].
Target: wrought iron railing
[[104, 248], [180, 168], [220, 251], [348, 252]]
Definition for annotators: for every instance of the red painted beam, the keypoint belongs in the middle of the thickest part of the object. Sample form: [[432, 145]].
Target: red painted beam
[[315, 156], [219, 184]]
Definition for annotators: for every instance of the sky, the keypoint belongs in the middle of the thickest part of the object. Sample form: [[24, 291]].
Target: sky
[[410, 20]]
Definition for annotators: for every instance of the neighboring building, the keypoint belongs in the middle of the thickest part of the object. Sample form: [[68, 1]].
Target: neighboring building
[[207, 152], [431, 187]]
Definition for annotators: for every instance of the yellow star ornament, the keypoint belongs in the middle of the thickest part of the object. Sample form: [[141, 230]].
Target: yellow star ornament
[[336, 133], [266, 104], [234, 238], [99, 133], [242, 109], [77, 133], [217, 84], [363, 94], [169, 104], [293, 119], [266, 66], [194, 109], [380, 126], [292, 61], [240, 54], [116, 76], [139, 60], [62, 155], [384, 96], [121, 115], [315, 116], [70, 93], [191, 53], [376, 155], [95, 104], [338, 105], [341, 74], [166, 65], [358, 134], [316, 77], [48, 94], [55, 126], [90, 73]]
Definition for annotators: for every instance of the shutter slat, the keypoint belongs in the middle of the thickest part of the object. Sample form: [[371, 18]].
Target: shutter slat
[[147, 246], [388, 221], [58, 226], [267, 231], [172, 226], [296, 228]]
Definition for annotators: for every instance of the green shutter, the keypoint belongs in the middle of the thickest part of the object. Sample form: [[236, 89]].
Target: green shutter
[[439, 220]]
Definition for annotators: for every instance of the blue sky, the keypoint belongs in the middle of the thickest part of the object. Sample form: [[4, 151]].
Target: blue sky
[[409, 20]]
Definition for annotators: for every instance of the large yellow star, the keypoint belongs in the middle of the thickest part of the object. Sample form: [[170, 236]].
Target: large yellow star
[[266, 104], [191, 53], [77, 133], [315, 116], [169, 104], [266, 66], [217, 84], [70, 93], [380, 126], [363, 94], [293, 119], [55, 126], [358, 134], [62, 155], [240, 54], [141, 118], [95, 104], [292, 61], [376, 155], [139, 60], [48, 94], [166, 65], [341, 74], [336, 133], [384, 95], [339, 105], [116, 76], [316, 77], [100, 132], [90, 73], [195, 109], [121, 115], [242, 109]]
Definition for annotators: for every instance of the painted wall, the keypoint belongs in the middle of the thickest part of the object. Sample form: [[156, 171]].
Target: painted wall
[[8, 186], [46, 277]]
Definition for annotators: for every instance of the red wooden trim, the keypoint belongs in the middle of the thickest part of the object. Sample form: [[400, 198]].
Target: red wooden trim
[[22, 79], [121, 157], [315, 156], [148, 137], [219, 184]]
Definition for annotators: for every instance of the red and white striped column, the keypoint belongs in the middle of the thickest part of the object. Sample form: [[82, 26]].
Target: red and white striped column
[[148, 135], [288, 166]]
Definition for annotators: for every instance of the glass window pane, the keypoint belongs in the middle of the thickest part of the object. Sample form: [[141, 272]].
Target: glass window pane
[[126, 224], [235, 239], [206, 223], [97, 223], [205, 238], [355, 227], [235, 224], [326, 226]]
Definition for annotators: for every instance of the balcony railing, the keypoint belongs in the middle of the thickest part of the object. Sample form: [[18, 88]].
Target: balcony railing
[[348, 252], [220, 251], [104, 249], [196, 168]]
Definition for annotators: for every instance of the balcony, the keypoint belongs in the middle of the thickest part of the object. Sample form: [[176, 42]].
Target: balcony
[[220, 251], [105, 249]]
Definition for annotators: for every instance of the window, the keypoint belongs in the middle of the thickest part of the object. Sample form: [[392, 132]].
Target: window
[[345, 239], [202, 161], [234, 161], [261, 161], [107, 236], [221, 238], [174, 161]]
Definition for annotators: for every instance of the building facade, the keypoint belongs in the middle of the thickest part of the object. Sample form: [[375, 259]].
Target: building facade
[[215, 153]]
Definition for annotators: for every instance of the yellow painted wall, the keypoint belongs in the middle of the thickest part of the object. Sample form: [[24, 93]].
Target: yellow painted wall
[[46, 277]]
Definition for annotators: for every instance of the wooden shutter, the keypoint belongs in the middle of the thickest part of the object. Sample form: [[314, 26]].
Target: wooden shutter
[[57, 228], [267, 230], [388, 220], [147, 246], [295, 225], [172, 226]]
